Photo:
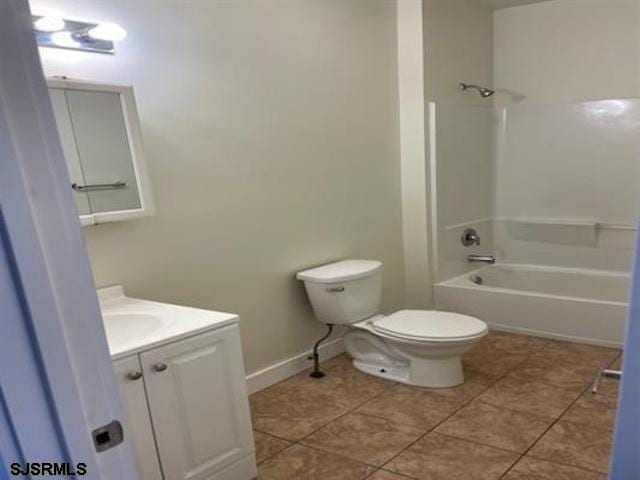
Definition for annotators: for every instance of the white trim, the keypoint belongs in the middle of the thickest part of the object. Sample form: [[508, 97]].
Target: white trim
[[433, 190], [277, 372]]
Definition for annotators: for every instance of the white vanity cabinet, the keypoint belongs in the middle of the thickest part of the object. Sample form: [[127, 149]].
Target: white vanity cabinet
[[100, 135], [186, 406]]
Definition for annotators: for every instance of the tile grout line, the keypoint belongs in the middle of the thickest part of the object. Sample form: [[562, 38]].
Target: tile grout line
[[472, 398], [463, 405], [584, 390], [467, 402]]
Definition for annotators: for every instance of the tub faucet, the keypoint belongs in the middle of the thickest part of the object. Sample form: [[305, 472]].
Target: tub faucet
[[491, 259]]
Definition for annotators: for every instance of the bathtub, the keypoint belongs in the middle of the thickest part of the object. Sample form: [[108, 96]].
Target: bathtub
[[588, 306]]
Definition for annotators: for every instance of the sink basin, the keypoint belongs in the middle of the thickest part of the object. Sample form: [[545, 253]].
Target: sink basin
[[123, 328], [133, 325]]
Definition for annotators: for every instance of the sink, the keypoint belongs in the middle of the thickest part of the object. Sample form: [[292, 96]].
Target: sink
[[123, 328], [133, 325]]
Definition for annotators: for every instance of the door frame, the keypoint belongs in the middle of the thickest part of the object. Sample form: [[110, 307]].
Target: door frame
[[42, 238]]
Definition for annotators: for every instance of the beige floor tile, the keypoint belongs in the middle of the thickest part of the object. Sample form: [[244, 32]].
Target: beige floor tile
[[617, 363], [299, 462], [385, 475], [299, 405], [439, 457], [474, 384], [292, 412], [267, 446], [492, 363], [597, 410], [343, 360], [570, 375], [581, 446], [609, 387], [495, 426], [410, 406], [578, 353], [367, 439], [522, 395], [504, 342], [348, 386], [533, 469]]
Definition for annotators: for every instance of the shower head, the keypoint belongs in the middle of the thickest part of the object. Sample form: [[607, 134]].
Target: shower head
[[484, 92]]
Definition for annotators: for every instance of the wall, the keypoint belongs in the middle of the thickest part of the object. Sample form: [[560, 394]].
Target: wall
[[462, 140], [567, 50], [561, 158], [458, 42], [271, 132], [415, 213]]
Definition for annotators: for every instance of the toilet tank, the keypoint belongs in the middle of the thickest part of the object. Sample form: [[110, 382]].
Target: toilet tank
[[344, 292]]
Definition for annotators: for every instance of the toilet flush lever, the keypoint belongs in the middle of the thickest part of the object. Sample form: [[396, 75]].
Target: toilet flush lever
[[335, 289]]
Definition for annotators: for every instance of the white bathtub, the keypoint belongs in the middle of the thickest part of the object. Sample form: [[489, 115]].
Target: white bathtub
[[587, 306]]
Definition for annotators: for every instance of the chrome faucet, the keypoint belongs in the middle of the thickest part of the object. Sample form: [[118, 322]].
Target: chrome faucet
[[491, 259], [470, 237]]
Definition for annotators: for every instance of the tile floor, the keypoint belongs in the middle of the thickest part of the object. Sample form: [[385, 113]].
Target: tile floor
[[523, 413]]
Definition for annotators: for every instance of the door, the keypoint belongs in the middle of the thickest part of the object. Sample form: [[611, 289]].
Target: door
[[68, 141], [56, 381], [137, 421], [625, 459], [198, 402]]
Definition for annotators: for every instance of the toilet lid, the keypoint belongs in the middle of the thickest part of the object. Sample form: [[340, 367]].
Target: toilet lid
[[430, 325]]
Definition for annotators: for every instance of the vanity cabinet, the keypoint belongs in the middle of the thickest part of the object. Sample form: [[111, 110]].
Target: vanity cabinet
[[137, 418], [186, 409], [100, 136]]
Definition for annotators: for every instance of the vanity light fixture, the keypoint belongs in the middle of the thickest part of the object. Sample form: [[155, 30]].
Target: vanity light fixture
[[55, 32], [49, 24]]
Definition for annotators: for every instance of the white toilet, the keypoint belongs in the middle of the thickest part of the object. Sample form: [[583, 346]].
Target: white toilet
[[417, 347]]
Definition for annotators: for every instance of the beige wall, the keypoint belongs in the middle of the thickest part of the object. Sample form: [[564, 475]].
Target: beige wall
[[567, 50], [271, 132], [458, 36], [415, 214], [458, 44]]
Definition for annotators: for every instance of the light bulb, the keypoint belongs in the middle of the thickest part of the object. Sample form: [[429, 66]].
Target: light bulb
[[107, 31], [64, 39], [49, 24]]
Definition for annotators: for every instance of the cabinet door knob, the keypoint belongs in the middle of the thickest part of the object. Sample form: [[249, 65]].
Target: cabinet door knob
[[160, 367], [134, 375]]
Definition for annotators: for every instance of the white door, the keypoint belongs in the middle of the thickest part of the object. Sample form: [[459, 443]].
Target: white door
[[68, 140], [137, 421], [56, 382], [198, 401]]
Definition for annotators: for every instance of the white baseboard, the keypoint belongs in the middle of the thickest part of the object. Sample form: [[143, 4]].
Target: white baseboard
[[277, 372]]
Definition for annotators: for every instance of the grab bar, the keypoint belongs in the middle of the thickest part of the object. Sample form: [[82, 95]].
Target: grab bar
[[98, 186]]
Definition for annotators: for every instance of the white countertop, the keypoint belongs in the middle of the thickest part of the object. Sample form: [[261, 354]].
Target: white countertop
[[133, 325]]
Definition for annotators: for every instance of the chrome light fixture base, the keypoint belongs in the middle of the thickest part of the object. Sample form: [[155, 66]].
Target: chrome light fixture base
[[74, 36]]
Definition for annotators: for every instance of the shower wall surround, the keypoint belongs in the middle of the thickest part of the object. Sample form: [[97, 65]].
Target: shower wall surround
[[566, 183], [546, 184]]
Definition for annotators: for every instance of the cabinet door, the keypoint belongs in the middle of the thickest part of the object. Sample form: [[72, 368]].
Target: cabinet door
[[103, 145], [199, 406], [69, 149], [137, 426]]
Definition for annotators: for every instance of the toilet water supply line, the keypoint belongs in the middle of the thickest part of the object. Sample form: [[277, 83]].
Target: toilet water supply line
[[316, 356]]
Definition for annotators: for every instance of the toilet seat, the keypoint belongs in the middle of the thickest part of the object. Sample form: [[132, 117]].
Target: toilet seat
[[430, 326]]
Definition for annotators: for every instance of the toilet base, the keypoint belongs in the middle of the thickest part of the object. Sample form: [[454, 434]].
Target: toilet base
[[430, 365], [431, 373]]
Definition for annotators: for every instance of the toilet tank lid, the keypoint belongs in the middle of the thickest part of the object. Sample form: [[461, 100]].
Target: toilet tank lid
[[340, 271]]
